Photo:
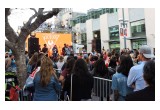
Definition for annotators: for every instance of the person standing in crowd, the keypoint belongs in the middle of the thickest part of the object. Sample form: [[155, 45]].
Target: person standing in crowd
[[101, 71], [40, 48], [148, 93], [107, 61], [32, 63], [136, 53], [60, 63], [37, 67], [103, 50], [71, 50], [88, 63], [46, 83], [8, 63], [63, 50], [67, 50], [119, 80], [45, 49], [82, 82], [112, 66], [135, 78], [54, 51], [13, 64], [6, 55], [67, 70], [27, 57]]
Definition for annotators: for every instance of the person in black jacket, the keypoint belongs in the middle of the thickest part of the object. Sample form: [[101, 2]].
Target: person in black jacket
[[148, 93], [82, 82], [100, 70]]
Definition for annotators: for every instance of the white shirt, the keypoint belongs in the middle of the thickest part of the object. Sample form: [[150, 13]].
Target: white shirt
[[59, 66]]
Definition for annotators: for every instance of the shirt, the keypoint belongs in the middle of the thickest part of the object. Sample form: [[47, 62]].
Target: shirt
[[47, 93], [136, 77], [119, 82], [59, 66], [146, 94]]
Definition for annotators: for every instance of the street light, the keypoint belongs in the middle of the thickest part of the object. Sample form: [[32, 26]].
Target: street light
[[124, 25]]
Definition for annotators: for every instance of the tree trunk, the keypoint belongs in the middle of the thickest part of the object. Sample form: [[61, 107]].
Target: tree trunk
[[16, 43], [21, 66]]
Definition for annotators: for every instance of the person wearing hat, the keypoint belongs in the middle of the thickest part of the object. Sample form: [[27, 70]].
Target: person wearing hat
[[148, 93], [135, 78]]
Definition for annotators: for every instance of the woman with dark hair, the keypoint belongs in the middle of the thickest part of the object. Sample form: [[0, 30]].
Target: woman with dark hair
[[119, 80], [46, 83], [112, 66], [148, 93], [82, 82], [100, 70], [67, 70], [32, 63]]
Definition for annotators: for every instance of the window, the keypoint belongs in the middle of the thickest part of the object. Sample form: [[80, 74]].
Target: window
[[138, 29], [111, 10], [114, 33], [136, 44]]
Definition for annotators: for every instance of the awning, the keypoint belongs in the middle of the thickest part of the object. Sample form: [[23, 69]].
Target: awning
[[132, 38], [111, 41]]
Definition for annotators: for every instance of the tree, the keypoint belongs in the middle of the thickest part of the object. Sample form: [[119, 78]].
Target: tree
[[16, 42]]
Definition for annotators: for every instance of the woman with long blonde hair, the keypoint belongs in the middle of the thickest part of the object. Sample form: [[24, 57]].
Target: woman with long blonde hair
[[46, 83]]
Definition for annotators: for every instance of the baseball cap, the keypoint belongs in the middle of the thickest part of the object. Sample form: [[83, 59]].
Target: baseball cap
[[146, 51]]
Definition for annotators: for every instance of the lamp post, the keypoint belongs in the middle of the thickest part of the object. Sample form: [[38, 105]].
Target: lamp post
[[124, 25]]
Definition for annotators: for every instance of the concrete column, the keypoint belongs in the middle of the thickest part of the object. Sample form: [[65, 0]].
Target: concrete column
[[89, 32], [104, 31], [150, 26]]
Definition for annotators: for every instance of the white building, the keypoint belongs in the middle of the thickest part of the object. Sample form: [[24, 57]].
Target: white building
[[104, 24]]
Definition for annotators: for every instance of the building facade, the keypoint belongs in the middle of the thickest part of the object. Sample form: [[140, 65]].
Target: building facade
[[105, 24]]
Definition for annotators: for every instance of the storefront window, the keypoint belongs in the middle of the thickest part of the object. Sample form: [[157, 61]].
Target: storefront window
[[136, 44], [138, 29], [115, 46], [114, 33]]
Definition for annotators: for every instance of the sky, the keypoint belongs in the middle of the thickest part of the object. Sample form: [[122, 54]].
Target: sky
[[21, 15]]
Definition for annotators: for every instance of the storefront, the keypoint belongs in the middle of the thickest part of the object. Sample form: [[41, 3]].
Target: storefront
[[114, 45], [114, 38], [136, 44]]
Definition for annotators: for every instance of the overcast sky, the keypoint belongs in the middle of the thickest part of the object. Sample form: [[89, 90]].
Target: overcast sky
[[20, 15]]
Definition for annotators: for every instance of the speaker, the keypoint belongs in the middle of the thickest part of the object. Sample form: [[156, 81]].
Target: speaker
[[33, 46], [96, 45]]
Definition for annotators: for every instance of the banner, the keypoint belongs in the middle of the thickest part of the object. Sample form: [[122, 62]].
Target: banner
[[52, 39], [123, 32]]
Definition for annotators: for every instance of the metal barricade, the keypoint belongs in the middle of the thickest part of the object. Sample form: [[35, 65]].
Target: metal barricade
[[101, 89]]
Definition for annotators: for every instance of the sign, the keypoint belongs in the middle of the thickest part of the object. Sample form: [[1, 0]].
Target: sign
[[52, 39], [123, 32]]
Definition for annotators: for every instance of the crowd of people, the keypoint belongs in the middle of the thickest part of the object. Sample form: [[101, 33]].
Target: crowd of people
[[72, 75]]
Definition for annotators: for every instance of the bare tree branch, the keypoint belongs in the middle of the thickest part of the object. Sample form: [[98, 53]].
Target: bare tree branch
[[7, 12], [31, 18], [25, 31], [34, 10], [9, 44], [40, 11], [9, 32]]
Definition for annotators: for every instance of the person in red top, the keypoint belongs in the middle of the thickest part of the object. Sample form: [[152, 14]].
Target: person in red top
[[107, 61]]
